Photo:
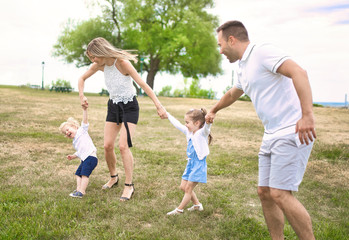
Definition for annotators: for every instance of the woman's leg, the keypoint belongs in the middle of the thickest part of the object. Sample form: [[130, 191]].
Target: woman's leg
[[111, 130], [127, 158]]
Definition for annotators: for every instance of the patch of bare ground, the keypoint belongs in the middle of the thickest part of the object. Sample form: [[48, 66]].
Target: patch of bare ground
[[332, 125], [331, 174]]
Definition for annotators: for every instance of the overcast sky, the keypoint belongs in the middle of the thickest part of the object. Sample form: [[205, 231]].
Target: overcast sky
[[314, 32]]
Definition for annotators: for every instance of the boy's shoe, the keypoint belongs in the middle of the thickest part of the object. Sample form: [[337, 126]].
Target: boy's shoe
[[76, 194], [198, 207], [176, 212], [70, 194]]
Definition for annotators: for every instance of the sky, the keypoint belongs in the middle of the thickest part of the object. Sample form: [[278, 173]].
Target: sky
[[315, 33]]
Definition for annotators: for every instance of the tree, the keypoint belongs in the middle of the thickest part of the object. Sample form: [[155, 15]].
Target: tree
[[171, 35], [72, 43]]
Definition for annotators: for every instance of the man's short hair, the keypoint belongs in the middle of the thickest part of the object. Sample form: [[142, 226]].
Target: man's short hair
[[235, 29]]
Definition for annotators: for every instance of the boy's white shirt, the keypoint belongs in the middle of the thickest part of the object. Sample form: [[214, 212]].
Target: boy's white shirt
[[83, 144], [199, 139]]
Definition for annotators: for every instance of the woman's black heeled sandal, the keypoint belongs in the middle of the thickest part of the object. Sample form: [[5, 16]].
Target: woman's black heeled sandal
[[105, 186], [133, 191]]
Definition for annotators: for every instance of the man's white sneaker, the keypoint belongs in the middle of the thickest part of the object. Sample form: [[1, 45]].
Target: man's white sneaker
[[198, 207], [176, 212]]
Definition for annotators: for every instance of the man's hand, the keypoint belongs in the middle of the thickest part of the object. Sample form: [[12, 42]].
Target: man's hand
[[305, 128], [210, 117]]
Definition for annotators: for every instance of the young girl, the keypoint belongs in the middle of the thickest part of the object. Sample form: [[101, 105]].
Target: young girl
[[198, 138], [123, 109], [85, 150]]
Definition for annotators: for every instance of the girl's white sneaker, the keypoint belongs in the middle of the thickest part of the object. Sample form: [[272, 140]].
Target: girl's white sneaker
[[198, 207], [176, 212]]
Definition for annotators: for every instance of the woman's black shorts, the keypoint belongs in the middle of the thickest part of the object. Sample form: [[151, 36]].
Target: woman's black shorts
[[120, 112]]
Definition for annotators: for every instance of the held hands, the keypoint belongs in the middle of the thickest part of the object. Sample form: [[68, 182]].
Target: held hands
[[210, 117], [162, 112], [305, 128], [84, 102]]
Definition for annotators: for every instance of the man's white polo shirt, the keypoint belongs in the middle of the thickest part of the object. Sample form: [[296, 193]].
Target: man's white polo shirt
[[273, 95]]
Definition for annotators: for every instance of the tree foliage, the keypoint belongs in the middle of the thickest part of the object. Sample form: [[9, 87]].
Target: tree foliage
[[72, 43], [175, 36]]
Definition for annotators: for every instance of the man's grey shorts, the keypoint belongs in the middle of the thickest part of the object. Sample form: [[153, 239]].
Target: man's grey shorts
[[282, 162]]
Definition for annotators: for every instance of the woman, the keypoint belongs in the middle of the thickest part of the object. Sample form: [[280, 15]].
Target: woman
[[123, 110]]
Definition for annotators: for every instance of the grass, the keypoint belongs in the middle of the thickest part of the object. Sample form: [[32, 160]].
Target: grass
[[36, 178]]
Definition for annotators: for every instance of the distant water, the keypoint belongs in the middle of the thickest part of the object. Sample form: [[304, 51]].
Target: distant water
[[332, 104]]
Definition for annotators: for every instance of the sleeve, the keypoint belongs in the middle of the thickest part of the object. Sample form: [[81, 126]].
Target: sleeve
[[85, 126], [206, 129], [271, 57], [237, 83], [177, 124]]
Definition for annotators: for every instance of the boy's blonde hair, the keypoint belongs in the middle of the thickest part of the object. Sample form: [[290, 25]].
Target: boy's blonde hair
[[71, 121], [100, 47], [199, 115]]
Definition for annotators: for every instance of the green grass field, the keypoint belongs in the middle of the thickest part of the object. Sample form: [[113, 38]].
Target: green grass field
[[36, 178]]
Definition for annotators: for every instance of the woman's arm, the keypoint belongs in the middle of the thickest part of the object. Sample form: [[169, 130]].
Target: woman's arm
[[127, 68], [81, 83]]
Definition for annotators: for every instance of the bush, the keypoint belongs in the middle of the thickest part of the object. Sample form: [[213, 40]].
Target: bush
[[165, 91], [61, 83]]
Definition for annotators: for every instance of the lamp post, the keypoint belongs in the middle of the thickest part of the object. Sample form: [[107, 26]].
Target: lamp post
[[42, 81], [142, 61]]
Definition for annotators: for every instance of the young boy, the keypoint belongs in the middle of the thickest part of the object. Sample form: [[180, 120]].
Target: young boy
[[85, 150]]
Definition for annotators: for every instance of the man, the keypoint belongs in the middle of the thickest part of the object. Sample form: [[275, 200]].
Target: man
[[280, 92]]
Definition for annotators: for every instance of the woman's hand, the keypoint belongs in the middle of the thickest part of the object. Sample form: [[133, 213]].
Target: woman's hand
[[162, 112]]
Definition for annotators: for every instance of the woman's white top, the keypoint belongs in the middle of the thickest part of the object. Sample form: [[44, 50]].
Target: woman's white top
[[119, 86], [83, 144], [199, 139]]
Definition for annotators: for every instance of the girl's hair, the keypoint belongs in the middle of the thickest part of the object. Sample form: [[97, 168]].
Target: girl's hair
[[199, 115], [100, 47], [71, 121]]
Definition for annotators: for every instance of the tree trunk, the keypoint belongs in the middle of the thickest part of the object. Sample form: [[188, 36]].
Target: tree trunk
[[153, 69]]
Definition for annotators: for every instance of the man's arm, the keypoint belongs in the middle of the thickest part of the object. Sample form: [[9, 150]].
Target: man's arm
[[228, 98], [306, 125]]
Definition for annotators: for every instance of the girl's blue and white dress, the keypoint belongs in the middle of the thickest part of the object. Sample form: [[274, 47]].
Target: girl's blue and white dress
[[197, 151]]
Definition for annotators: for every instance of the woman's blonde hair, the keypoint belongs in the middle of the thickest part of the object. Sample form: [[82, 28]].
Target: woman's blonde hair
[[71, 122], [199, 115], [100, 47]]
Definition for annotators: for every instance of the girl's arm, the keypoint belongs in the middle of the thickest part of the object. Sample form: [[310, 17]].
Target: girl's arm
[[128, 68], [81, 83], [177, 124], [206, 129]]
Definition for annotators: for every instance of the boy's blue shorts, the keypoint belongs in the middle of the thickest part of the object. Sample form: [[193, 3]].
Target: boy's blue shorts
[[86, 167]]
